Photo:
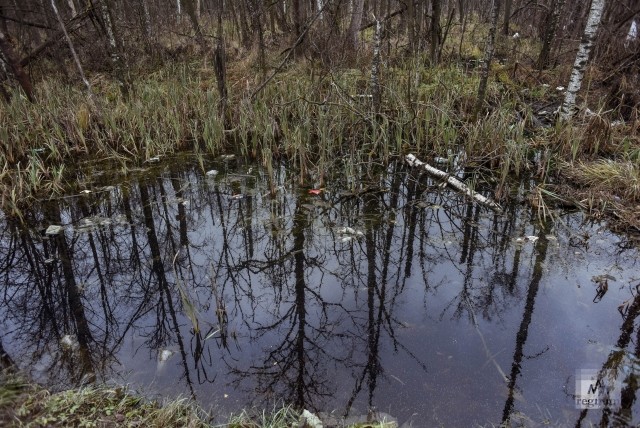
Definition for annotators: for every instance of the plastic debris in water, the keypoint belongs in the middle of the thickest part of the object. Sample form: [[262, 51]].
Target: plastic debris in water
[[308, 419], [69, 341], [315, 191], [350, 231], [212, 173], [54, 229], [164, 355], [154, 159]]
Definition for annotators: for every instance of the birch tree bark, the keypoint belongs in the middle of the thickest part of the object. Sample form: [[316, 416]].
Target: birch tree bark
[[72, 49], [488, 56], [582, 58], [115, 48], [72, 7]]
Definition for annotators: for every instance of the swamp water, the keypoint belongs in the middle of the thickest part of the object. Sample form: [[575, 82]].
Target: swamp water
[[386, 292]]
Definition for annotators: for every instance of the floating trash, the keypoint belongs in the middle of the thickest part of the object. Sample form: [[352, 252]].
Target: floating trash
[[69, 341], [524, 239], [165, 354], [347, 234], [349, 231], [54, 229], [559, 88], [85, 191], [154, 159], [212, 173], [308, 419]]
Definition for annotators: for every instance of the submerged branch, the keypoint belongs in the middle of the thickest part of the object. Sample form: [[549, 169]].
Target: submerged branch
[[453, 182]]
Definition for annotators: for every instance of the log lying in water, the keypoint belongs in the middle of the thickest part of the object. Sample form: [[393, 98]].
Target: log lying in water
[[453, 182]]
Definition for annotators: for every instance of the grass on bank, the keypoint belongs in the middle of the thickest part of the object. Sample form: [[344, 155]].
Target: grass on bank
[[26, 404]]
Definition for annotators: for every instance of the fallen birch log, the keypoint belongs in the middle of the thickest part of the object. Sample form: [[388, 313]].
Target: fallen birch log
[[453, 182]]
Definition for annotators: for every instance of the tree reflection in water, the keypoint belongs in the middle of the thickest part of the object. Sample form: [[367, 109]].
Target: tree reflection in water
[[263, 297]]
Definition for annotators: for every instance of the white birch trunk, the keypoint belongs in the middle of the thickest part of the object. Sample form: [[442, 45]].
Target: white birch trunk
[[582, 57], [453, 182], [72, 49], [72, 6], [117, 59], [320, 5]]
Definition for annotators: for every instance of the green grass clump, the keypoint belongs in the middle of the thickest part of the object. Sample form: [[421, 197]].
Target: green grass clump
[[25, 404]]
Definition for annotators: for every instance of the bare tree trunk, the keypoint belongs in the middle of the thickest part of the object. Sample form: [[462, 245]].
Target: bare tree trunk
[[436, 32], [195, 22], [299, 26], [582, 58], [72, 49], [461, 11], [551, 29], [507, 17], [9, 56], [411, 26], [488, 56], [72, 7], [375, 68], [356, 21], [115, 48], [219, 61], [148, 29]]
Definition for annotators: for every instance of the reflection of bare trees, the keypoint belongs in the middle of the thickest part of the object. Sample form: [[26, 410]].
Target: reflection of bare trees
[[523, 331], [614, 368], [263, 293]]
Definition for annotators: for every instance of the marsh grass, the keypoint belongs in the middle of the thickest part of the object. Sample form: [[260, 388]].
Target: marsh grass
[[320, 121], [23, 403], [620, 177]]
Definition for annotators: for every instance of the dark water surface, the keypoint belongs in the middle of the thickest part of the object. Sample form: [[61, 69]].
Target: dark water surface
[[384, 292]]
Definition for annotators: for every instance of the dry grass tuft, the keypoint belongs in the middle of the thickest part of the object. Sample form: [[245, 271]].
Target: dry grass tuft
[[620, 178]]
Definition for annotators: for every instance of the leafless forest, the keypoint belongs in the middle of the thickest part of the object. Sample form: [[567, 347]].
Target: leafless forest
[[121, 37]]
